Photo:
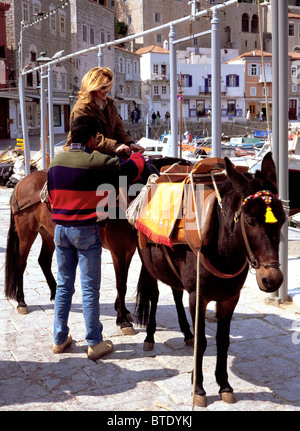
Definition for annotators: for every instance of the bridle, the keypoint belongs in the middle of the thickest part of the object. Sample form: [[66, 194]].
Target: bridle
[[267, 197]]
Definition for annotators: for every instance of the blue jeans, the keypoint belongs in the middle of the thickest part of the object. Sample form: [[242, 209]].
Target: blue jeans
[[78, 245]]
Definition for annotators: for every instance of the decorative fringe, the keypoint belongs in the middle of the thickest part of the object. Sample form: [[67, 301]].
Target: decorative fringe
[[159, 239]]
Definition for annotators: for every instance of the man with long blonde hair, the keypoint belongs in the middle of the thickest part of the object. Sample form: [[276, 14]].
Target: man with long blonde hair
[[93, 101]]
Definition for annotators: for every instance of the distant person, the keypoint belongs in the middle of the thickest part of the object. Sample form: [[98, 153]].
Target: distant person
[[153, 118]]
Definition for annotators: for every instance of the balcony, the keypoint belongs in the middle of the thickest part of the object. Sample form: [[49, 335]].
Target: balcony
[[159, 76], [204, 89], [268, 78]]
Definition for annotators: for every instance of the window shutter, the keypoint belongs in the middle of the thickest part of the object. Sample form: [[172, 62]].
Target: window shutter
[[190, 80]]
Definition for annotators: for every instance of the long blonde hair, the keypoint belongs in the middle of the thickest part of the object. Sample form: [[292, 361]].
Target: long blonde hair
[[98, 78]]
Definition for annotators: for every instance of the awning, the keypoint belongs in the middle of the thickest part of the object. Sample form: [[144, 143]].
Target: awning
[[129, 99], [13, 96]]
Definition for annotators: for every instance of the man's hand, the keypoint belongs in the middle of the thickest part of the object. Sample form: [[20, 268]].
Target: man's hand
[[122, 149], [136, 148]]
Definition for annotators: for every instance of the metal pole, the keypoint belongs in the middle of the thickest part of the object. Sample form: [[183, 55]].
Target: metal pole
[[275, 101], [50, 112], [216, 85], [100, 57], [283, 136], [275, 98], [173, 92], [24, 124], [43, 117]]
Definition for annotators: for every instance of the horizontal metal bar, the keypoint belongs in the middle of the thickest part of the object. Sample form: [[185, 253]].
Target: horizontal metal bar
[[132, 37]]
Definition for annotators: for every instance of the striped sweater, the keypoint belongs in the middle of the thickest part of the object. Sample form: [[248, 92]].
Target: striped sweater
[[74, 176]]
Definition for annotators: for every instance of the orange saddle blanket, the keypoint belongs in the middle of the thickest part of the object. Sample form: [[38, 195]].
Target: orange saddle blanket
[[162, 207]]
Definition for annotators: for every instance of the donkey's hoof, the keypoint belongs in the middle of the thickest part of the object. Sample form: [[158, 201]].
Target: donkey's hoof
[[200, 400], [189, 342], [228, 397], [128, 330], [22, 310], [148, 346]]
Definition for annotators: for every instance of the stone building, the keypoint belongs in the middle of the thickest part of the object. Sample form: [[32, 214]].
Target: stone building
[[55, 28]]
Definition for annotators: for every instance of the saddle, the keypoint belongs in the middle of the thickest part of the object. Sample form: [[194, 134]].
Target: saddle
[[180, 206]]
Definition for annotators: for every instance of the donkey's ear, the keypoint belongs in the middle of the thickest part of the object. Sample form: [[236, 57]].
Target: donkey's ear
[[238, 180], [268, 168]]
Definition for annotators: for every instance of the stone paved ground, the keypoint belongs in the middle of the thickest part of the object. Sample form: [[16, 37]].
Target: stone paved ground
[[263, 363]]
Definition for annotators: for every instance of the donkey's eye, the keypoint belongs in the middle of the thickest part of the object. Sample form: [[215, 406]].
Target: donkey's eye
[[251, 221]]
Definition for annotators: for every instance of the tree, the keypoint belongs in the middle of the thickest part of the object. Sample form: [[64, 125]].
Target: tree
[[121, 29]]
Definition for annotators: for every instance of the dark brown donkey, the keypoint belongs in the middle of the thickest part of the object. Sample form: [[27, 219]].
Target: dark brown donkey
[[245, 230]]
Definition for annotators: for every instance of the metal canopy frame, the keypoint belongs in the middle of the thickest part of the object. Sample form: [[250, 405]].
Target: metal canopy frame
[[279, 99]]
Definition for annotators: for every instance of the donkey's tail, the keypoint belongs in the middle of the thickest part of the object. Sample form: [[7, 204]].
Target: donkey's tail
[[147, 291], [12, 257]]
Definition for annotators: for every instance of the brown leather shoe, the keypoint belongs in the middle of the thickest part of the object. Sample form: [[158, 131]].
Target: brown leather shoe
[[99, 350], [59, 348]]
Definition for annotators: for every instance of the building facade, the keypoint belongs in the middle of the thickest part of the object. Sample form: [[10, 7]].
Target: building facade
[[127, 84]]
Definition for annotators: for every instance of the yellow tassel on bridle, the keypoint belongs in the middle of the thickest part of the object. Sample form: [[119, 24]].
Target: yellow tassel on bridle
[[269, 216], [267, 196]]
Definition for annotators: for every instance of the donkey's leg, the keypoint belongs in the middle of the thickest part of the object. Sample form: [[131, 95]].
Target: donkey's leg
[[224, 313], [182, 319], [45, 260], [200, 394], [121, 265], [151, 327]]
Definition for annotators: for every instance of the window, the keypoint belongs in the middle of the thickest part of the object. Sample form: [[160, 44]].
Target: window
[[155, 68], [155, 90], [57, 115], [252, 91], [164, 89], [62, 24], [128, 67], [53, 22], [25, 11], [254, 24], [121, 87], [84, 33], [158, 37], [264, 91], [129, 19], [63, 81], [294, 88], [186, 80], [135, 67], [157, 17], [102, 39], [232, 80], [92, 36], [36, 11], [245, 22], [121, 65], [128, 91], [55, 80], [253, 69], [291, 30]]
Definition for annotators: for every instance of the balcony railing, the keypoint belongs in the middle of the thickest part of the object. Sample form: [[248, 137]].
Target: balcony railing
[[159, 76], [204, 89]]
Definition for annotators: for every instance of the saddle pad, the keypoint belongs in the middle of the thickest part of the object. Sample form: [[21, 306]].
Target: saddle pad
[[163, 207]]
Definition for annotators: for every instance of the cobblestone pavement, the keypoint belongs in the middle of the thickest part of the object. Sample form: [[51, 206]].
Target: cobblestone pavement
[[263, 362]]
